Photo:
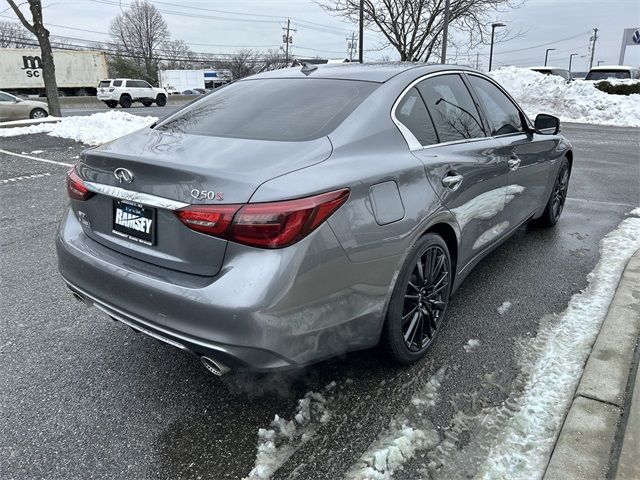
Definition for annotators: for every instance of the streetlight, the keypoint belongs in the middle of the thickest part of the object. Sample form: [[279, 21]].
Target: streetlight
[[571, 58], [546, 55], [493, 28]]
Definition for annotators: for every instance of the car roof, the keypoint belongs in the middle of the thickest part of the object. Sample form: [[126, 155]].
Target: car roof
[[370, 72], [623, 68]]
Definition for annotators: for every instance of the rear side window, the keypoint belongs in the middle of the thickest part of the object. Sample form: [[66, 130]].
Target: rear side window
[[104, 83], [453, 111], [117, 83], [604, 74], [272, 109], [503, 116], [412, 113]]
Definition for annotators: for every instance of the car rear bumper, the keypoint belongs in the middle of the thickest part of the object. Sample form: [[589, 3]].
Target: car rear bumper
[[266, 309]]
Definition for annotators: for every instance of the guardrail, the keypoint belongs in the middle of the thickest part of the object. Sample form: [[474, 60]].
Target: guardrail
[[92, 102]]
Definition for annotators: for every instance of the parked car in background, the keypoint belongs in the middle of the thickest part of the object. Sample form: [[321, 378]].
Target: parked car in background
[[303, 213], [171, 90], [191, 92], [16, 108], [560, 72], [615, 72], [126, 91], [201, 91]]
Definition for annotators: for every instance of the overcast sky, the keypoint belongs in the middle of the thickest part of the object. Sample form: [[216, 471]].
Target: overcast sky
[[562, 24]]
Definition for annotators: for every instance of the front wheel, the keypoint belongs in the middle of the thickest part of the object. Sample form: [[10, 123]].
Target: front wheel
[[161, 100], [558, 197], [38, 113], [419, 301]]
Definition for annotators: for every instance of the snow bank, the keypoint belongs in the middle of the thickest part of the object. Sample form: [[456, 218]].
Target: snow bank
[[91, 129], [577, 101], [409, 433], [278, 443], [558, 355]]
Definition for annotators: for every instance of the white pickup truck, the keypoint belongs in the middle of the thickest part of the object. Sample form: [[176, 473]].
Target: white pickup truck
[[125, 91]]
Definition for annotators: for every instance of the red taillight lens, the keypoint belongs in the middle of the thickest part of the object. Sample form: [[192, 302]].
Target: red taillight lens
[[210, 219], [75, 186], [280, 224]]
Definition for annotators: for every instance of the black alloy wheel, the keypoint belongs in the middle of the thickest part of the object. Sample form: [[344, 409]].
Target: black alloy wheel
[[555, 204], [419, 301]]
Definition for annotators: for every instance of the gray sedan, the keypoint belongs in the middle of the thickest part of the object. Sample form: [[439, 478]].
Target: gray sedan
[[15, 108], [307, 212]]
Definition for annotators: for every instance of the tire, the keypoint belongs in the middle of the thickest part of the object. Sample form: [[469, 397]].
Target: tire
[[111, 103], [125, 101], [419, 301], [161, 100], [62, 93], [555, 204], [38, 113], [147, 104], [82, 93]]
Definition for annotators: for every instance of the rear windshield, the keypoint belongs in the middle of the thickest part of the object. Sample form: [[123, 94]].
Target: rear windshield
[[104, 83], [604, 74], [272, 109]]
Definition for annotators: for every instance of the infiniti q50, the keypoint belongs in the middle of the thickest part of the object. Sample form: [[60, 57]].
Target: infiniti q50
[[302, 213]]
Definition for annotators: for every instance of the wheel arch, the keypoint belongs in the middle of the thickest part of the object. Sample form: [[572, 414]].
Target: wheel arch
[[450, 237], [569, 155]]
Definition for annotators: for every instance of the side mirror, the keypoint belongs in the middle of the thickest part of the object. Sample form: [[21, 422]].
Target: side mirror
[[547, 124]]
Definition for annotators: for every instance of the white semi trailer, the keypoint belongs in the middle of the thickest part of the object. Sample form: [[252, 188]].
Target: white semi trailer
[[77, 72], [181, 80]]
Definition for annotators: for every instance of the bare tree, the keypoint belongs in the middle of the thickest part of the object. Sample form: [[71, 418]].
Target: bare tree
[[139, 32], [176, 54], [242, 63], [14, 35], [274, 59], [37, 28], [414, 27]]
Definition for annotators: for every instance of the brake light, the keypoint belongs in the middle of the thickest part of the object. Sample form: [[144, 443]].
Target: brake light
[[76, 188], [210, 219], [280, 224]]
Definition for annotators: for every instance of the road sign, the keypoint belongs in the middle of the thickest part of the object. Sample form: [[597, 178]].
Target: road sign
[[630, 36]]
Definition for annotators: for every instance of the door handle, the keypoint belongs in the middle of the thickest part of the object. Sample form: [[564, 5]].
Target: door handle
[[513, 162], [452, 181]]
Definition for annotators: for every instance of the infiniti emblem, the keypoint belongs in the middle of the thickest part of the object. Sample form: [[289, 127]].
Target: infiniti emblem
[[123, 175]]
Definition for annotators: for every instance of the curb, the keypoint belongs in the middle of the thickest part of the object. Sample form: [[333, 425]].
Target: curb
[[28, 123], [598, 435]]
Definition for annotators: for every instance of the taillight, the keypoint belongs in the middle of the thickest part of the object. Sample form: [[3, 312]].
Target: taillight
[[264, 225], [210, 219], [280, 224], [76, 188]]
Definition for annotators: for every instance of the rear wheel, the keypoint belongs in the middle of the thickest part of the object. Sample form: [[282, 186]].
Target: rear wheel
[[419, 301], [111, 103], [82, 93], [125, 101], [38, 113], [161, 100], [558, 197]]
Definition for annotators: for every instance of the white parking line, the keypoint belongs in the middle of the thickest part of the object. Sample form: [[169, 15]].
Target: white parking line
[[44, 160], [24, 177]]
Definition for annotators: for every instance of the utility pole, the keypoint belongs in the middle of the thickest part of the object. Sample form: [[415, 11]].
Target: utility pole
[[593, 45], [361, 33], [287, 39], [351, 45], [445, 33]]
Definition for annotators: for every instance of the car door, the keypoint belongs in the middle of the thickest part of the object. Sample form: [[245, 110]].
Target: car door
[[462, 164], [133, 89], [12, 108], [526, 153]]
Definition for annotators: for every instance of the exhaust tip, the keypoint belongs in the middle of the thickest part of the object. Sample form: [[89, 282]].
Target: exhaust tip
[[214, 366]]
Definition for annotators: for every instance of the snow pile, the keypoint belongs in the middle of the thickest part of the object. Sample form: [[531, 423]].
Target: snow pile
[[577, 101], [407, 434], [555, 364], [504, 308], [278, 443], [91, 129], [471, 345]]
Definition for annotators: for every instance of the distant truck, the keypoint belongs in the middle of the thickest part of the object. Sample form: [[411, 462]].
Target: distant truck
[[180, 80], [77, 72]]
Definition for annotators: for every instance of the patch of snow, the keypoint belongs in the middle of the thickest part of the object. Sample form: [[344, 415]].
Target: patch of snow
[[558, 355], [577, 101], [471, 345], [277, 443], [504, 308], [36, 152], [408, 434], [91, 129]]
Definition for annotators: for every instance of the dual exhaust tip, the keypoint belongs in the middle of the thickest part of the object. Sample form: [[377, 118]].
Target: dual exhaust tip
[[213, 366]]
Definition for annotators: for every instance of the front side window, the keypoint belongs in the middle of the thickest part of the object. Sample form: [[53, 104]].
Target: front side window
[[412, 113], [503, 116], [5, 97], [281, 109], [453, 111], [117, 83]]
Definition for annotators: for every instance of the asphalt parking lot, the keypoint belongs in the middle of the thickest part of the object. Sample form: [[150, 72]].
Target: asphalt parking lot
[[84, 397]]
